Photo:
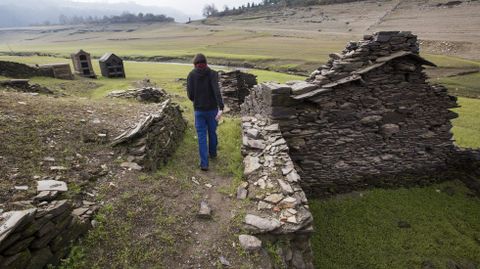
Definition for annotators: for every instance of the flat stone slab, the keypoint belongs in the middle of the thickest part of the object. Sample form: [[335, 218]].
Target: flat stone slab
[[51, 185], [302, 87], [252, 164], [262, 225], [9, 221]]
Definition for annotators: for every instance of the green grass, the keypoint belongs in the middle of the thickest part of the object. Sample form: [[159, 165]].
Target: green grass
[[466, 86], [466, 128], [451, 62], [363, 232]]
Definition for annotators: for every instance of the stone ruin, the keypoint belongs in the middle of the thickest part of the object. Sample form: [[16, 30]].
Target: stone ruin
[[366, 118], [18, 70], [23, 85], [145, 94], [150, 143], [42, 234], [235, 86]]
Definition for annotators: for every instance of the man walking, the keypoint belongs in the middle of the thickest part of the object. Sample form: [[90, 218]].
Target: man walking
[[204, 92]]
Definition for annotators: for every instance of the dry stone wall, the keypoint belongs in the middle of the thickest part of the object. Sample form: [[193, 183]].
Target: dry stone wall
[[150, 143], [39, 236], [235, 86], [18, 70], [367, 117], [279, 214]]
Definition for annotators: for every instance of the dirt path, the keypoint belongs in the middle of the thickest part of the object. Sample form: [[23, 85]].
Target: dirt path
[[213, 238]]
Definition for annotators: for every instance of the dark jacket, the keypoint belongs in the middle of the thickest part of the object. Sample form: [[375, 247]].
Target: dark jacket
[[203, 89]]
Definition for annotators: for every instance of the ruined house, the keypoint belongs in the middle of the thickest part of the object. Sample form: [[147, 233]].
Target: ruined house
[[368, 117], [235, 86], [112, 66], [82, 64], [60, 70]]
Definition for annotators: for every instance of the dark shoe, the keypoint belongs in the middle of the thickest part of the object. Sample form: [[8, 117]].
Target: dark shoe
[[213, 157], [204, 168]]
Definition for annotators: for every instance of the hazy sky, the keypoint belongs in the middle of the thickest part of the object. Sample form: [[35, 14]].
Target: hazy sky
[[187, 6]]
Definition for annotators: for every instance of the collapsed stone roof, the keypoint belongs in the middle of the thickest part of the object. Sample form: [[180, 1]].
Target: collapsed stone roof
[[358, 59]]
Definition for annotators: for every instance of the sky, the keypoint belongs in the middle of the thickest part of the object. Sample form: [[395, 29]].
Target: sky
[[193, 7]]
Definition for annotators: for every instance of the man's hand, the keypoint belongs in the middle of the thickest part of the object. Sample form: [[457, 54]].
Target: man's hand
[[219, 115]]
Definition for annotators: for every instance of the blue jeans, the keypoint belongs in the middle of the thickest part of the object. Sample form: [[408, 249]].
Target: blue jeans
[[206, 125]]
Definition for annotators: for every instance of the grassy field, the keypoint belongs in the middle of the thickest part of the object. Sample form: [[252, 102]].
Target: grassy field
[[467, 85], [266, 48], [398, 228], [466, 128]]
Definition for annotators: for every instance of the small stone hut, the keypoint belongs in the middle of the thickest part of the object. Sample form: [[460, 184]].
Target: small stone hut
[[367, 117], [82, 64], [112, 66], [235, 86]]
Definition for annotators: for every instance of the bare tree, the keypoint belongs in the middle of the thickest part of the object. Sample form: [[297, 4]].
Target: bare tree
[[209, 10]]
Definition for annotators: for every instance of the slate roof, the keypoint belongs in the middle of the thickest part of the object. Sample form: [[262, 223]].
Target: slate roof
[[356, 75], [107, 56]]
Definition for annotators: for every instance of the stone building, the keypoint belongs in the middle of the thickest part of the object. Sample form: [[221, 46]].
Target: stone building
[[112, 66], [235, 86], [82, 64], [60, 70], [367, 117]]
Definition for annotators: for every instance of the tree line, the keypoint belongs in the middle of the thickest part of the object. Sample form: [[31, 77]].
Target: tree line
[[211, 9], [125, 17]]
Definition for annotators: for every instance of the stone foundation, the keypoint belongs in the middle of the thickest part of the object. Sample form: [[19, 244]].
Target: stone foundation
[[154, 139], [279, 213]]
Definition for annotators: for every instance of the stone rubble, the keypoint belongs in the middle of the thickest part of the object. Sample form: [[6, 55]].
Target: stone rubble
[[144, 94], [23, 85]]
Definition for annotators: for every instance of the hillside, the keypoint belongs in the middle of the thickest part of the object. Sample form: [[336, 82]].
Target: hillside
[[264, 38], [424, 18]]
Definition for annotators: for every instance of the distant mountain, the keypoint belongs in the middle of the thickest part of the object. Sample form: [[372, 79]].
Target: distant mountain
[[28, 12]]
